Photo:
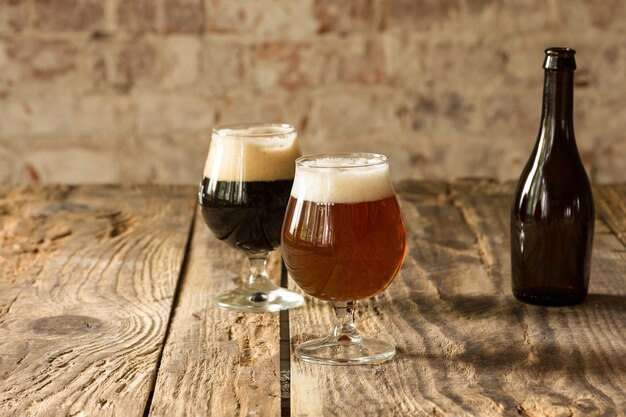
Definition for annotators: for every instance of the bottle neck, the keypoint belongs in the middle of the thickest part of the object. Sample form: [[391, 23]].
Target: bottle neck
[[558, 105]]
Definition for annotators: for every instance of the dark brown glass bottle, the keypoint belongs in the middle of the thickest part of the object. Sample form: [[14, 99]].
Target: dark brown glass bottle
[[552, 218]]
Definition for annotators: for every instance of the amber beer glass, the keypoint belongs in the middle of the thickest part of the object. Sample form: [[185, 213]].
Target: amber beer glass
[[343, 240], [243, 195]]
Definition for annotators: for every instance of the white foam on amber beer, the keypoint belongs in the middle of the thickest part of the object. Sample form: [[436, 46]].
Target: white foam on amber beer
[[257, 153], [339, 180]]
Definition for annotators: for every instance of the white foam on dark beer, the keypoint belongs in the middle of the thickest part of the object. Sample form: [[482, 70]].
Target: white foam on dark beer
[[258, 153], [333, 180]]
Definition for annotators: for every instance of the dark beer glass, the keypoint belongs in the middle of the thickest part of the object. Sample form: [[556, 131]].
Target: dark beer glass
[[343, 240], [247, 181]]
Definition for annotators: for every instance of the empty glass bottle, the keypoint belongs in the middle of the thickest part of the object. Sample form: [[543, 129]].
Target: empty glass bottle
[[552, 219]]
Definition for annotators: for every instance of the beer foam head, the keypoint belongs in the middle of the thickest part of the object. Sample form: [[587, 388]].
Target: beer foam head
[[252, 153], [342, 178]]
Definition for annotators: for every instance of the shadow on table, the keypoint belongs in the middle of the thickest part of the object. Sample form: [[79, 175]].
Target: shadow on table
[[497, 333], [503, 306], [613, 302]]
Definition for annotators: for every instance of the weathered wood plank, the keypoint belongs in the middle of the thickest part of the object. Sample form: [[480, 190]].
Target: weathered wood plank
[[87, 279], [216, 362], [466, 347], [611, 207], [570, 361]]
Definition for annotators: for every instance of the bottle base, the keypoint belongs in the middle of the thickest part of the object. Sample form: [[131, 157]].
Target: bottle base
[[551, 297]]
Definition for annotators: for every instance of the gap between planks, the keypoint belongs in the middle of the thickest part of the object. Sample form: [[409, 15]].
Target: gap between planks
[[96, 268], [285, 352], [179, 285], [218, 362]]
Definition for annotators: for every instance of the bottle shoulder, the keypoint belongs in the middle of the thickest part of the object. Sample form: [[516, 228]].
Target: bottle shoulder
[[553, 189], [542, 200], [559, 169]]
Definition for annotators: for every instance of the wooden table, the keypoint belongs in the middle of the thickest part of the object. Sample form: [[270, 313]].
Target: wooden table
[[105, 310]]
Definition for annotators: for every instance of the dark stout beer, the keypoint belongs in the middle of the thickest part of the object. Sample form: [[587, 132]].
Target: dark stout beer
[[246, 215], [243, 195], [552, 218], [247, 181]]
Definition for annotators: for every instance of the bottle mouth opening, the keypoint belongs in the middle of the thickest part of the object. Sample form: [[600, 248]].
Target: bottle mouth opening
[[560, 59], [560, 51]]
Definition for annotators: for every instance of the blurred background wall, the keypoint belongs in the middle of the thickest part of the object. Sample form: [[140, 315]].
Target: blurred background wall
[[128, 90]]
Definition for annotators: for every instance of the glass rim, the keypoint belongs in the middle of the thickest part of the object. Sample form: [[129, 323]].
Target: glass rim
[[373, 160], [282, 129]]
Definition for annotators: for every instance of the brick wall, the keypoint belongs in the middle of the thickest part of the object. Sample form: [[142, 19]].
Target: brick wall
[[128, 90]]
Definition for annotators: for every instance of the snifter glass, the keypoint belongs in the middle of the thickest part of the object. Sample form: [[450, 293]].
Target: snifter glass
[[243, 195], [343, 240]]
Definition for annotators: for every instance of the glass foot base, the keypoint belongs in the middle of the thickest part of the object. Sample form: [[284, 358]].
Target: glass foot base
[[258, 300], [334, 351]]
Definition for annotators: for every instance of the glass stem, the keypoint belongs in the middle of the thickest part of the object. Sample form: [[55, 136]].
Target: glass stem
[[258, 273], [345, 330]]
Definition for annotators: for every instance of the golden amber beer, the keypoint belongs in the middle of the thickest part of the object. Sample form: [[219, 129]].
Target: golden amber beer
[[343, 240], [339, 251]]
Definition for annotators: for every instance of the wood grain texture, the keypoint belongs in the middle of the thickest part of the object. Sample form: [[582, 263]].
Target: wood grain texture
[[217, 362], [466, 347], [87, 279], [611, 207]]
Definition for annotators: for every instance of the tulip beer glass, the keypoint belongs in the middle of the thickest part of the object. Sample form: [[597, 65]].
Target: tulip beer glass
[[343, 240], [243, 195]]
